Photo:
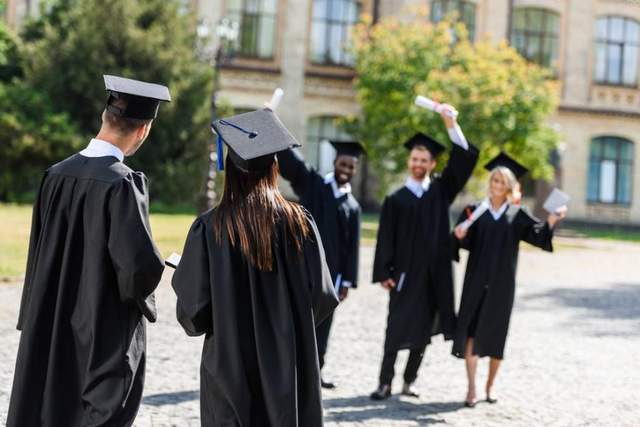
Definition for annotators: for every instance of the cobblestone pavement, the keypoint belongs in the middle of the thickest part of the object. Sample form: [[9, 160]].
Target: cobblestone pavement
[[572, 356]]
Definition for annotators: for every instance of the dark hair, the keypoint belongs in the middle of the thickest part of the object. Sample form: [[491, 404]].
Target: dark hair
[[250, 208], [123, 125]]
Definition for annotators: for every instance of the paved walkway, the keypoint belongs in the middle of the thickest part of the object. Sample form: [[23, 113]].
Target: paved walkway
[[572, 357]]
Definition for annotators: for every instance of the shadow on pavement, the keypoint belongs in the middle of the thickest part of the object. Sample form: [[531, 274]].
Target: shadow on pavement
[[362, 408], [173, 398], [621, 301]]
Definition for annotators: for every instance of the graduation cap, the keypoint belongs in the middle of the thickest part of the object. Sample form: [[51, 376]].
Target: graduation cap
[[508, 162], [253, 139], [143, 99], [420, 139], [348, 148]]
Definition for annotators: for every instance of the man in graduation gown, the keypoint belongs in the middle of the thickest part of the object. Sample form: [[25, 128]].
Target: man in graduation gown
[[91, 271], [337, 213], [412, 258]]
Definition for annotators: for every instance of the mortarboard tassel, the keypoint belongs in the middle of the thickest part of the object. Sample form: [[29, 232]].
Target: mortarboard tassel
[[220, 154]]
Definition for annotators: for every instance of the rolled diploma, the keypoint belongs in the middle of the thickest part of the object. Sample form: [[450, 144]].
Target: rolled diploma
[[430, 104], [275, 99]]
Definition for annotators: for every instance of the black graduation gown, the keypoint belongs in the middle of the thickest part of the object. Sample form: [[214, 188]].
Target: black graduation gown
[[338, 220], [489, 283], [259, 362], [413, 248], [91, 271]]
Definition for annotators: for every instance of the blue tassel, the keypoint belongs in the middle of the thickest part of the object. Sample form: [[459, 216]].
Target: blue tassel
[[220, 154]]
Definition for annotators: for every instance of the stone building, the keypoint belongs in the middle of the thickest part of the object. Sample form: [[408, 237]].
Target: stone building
[[593, 46]]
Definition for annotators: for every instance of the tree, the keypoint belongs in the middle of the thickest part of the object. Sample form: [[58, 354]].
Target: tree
[[32, 134], [503, 100], [75, 42]]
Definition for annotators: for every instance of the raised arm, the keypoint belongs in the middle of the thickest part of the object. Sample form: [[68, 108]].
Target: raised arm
[[295, 170], [462, 160]]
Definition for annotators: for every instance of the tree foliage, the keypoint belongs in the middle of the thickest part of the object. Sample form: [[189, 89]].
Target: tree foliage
[[503, 100], [75, 42]]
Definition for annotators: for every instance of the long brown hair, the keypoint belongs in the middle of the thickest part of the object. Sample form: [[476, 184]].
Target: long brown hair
[[249, 210]]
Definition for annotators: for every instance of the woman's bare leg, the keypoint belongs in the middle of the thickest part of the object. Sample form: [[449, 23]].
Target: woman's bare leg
[[494, 364], [472, 366]]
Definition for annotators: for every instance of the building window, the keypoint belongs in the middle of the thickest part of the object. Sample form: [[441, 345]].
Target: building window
[[332, 23], [535, 35], [318, 152], [257, 20], [617, 43], [465, 10], [610, 170]]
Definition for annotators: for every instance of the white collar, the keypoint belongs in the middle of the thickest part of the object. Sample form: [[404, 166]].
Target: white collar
[[337, 191], [496, 213], [418, 187], [100, 148]]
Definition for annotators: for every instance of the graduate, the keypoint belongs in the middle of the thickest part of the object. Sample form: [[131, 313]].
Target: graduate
[[413, 252], [254, 281], [491, 231], [91, 272], [337, 213]]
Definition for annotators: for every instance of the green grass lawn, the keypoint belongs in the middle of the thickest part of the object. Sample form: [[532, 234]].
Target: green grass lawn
[[169, 232]]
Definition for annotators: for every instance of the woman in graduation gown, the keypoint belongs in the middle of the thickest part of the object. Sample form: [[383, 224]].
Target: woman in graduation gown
[[491, 231], [253, 280]]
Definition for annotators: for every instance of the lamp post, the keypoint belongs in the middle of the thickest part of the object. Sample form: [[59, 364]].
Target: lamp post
[[227, 33]]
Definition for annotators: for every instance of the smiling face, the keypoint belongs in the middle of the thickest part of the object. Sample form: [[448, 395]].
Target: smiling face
[[501, 183], [344, 168], [420, 163]]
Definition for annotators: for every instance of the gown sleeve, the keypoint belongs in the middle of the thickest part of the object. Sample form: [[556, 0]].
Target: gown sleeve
[[466, 242], [135, 258], [191, 283], [534, 231], [458, 170], [351, 272], [323, 295], [295, 170], [34, 239], [383, 260]]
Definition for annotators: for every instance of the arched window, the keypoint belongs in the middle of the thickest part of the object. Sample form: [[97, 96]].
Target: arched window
[[331, 27], [318, 152], [617, 45], [610, 170], [535, 35], [466, 13], [257, 20]]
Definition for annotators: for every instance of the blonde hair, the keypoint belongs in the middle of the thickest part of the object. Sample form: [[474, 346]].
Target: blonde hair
[[510, 180]]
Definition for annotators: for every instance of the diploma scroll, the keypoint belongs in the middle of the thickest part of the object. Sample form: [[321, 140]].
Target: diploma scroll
[[474, 215], [430, 104], [275, 99]]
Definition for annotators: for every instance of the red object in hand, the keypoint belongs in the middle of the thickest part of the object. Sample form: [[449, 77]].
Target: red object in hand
[[469, 213]]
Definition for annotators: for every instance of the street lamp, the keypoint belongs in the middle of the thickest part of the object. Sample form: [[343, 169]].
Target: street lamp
[[227, 31]]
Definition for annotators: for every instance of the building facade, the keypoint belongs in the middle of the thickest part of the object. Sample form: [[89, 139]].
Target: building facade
[[593, 47]]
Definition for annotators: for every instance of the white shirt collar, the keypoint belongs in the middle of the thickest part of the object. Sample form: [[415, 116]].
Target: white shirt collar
[[337, 191], [418, 187], [496, 213], [100, 148]]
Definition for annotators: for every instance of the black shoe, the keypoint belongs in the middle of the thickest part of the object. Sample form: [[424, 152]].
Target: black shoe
[[327, 385], [383, 392], [469, 404], [408, 390], [492, 401]]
